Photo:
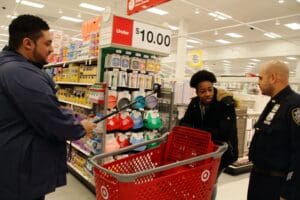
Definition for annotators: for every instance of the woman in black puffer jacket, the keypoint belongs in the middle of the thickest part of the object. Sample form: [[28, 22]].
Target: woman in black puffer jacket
[[213, 110]]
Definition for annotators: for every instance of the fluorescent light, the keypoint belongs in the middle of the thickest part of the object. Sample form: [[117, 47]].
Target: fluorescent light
[[72, 19], [286, 62], [189, 46], [226, 61], [291, 58], [234, 35], [4, 27], [272, 35], [293, 26], [32, 4], [222, 14], [219, 15], [174, 28], [3, 40], [223, 41], [5, 35], [11, 16], [91, 7], [255, 60], [77, 39], [280, 1], [157, 11], [193, 41]]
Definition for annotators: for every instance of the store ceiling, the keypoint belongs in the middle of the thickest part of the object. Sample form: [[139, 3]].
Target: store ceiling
[[251, 19]]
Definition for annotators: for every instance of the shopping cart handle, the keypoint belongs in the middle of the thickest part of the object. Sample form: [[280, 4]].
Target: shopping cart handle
[[132, 176]]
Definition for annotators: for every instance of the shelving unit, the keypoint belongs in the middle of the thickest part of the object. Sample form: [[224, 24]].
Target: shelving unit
[[78, 148], [82, 60], [89, 183], [76, 104], [73, 83]]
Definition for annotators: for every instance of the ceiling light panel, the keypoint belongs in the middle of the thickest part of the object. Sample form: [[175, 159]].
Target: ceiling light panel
[[31, 4], [174, 28], [219, 15], [272, 35], [91, 7], [234, 35], [157, 11], [5, 35], [293, 26], [193, 41], [255, 60], [291, 58], [72, 19], [223, 41]]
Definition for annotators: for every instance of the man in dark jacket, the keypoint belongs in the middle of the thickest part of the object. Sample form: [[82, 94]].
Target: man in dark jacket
[[213, 110], [33, 129], [275, 147]]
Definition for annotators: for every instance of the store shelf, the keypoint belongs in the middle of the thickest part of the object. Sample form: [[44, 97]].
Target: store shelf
[[71, 61], [73, 83], [84, 179], [76, 104], [77, 147]]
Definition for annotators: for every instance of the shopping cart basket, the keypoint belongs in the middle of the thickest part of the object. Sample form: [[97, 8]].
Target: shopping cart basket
[[183, 166]]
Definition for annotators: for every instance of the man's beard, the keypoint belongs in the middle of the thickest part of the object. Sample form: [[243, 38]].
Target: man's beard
[[38, 59]]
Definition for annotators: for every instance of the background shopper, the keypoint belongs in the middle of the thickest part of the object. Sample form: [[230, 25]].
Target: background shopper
[[275, 147], [213, 110], [33, 128]]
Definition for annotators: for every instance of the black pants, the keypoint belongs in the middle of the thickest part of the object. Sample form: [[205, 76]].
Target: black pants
[[264, 187], [40, 198]]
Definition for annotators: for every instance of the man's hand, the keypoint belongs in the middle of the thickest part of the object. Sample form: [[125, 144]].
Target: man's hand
[[88, 126]]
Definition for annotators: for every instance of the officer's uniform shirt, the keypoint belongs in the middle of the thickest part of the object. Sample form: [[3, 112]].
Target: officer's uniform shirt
[[276, 142]]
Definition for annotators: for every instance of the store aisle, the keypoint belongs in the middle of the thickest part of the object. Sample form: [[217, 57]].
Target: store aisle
[[233, 187], [74, 190], [230, 188]]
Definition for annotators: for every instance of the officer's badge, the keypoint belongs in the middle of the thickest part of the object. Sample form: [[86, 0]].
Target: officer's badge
[[296, 115]]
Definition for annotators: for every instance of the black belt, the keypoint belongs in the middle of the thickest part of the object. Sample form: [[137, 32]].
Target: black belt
[[269, 172]]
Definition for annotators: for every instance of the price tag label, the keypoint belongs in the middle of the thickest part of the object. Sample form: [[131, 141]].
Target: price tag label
[[151, 37]]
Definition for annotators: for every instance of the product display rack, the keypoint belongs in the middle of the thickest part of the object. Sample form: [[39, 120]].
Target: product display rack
[[127, 51]]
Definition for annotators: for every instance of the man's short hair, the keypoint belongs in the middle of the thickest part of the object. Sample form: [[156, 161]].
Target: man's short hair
[[200, 76], [25, 26]]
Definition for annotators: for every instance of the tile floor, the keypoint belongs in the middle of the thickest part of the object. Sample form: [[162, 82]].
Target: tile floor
[[229, 188]]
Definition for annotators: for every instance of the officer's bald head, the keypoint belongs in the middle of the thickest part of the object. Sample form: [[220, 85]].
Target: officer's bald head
[[278, 69]]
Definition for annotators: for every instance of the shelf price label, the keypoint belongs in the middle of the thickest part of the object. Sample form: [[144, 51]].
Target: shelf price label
[[151, 37]]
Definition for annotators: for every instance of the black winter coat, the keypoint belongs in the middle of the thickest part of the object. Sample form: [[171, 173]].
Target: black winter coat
[[219, 120], [33, 131]]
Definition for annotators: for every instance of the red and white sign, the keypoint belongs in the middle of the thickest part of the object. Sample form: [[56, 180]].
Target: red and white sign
[[134, 6], [122, 31], [137, 35]]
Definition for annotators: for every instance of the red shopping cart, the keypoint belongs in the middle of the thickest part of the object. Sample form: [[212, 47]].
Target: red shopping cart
[[183, 166]]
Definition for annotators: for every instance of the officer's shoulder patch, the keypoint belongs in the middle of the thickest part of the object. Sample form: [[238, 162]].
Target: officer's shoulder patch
[[296, 115]]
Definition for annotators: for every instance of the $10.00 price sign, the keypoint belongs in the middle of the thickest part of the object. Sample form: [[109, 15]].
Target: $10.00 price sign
[[152, 38]]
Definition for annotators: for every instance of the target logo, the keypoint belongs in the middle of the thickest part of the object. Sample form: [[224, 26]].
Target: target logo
[[104, 192], [205, 175]]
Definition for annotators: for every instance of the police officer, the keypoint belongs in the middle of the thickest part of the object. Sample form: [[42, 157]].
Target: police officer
[[275, 147]]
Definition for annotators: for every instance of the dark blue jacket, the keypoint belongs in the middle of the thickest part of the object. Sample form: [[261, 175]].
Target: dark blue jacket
[[33, 131], [276, 141]]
